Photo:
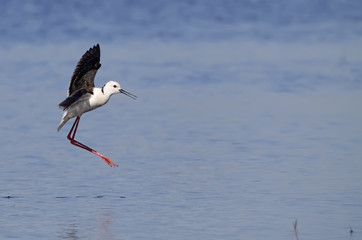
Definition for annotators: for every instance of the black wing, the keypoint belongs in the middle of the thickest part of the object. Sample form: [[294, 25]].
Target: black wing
[[85, 71], [72, 98]]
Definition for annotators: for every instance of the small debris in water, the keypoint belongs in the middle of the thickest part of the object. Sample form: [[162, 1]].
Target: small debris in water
[[350, 229]]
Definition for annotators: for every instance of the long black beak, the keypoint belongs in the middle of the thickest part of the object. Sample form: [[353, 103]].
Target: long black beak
[[128, 94]]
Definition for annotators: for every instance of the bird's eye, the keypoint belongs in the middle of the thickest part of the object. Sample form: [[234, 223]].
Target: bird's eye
[[114, 86]]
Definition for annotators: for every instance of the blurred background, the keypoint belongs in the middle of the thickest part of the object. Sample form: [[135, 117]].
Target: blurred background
[[248, 117]]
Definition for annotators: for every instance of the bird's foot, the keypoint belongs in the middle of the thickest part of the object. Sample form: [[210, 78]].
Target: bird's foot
[[109, 161]]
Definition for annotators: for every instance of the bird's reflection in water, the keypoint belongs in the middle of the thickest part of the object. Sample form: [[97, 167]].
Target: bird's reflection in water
[[70, 232], [105, 226], [104, 229]]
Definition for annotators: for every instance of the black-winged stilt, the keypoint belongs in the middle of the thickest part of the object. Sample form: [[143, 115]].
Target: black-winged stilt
[[84, 97]]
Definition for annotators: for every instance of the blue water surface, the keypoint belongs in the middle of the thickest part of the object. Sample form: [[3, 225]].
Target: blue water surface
[[248, 118]]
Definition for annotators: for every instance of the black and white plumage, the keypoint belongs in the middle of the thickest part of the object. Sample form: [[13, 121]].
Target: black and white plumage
[[83, 96], [82, 81]]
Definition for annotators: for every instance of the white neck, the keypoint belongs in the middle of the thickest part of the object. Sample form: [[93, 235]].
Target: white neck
[[99, 97]]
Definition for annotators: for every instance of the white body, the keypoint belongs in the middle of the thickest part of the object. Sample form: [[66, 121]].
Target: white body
[[89, 102]]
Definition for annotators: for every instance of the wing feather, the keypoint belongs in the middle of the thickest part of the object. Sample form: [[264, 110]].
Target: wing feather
[[72, 98], [85, 71]]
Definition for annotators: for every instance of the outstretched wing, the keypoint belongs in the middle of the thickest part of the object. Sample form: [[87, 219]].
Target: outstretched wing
[[85, 71]]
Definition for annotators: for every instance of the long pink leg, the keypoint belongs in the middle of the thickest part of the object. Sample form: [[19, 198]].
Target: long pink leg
[[81, 145]]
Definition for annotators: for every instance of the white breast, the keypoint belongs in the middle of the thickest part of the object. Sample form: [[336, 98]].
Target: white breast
[[87, 103]]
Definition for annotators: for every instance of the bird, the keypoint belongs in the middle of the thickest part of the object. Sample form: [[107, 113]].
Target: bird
[[83, 96]]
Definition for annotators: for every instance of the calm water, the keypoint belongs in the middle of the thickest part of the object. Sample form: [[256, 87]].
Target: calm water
[[248, 118]]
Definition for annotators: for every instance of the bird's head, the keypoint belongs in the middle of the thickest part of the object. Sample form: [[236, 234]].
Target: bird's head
[[113, 87]]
